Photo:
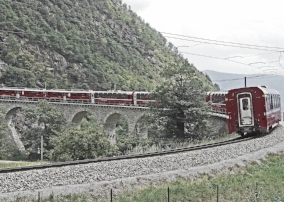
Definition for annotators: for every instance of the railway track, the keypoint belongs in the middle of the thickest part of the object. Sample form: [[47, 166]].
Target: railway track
[[123, 157]]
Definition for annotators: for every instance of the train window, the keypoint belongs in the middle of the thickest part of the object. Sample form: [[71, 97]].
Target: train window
[[274, 102], [271, 102], [138, 96], [245, 104]]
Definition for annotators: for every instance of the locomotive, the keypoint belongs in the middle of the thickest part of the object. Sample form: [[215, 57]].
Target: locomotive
[[249, 109], [78, 96]]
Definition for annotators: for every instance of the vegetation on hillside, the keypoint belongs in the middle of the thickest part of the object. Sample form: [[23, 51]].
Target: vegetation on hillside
[[80, 44]]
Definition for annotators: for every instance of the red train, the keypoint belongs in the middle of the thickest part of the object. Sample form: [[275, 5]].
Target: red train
[[249, 110], [252, 109], [218, 100], [79, 96]]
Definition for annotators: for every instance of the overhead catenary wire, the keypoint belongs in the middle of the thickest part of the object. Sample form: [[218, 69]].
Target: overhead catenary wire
[[225, 42], [250, 77], [235, 46]]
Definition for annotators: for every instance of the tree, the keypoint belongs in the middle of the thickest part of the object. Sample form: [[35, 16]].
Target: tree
[[50, 122], [182, 110], [86, 143], [16, 77]]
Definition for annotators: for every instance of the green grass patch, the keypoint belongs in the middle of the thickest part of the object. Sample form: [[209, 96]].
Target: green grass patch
[[13, 164]]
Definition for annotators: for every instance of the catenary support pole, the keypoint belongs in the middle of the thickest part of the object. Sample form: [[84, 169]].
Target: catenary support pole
[[41, 148]]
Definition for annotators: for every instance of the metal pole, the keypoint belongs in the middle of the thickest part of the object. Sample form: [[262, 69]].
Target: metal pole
[[245, 81], [217, 193], [41, 147], [168, 194], [38, 199], [111, 195]]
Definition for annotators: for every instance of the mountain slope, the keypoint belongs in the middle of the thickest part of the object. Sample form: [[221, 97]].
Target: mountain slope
[[80, 44]]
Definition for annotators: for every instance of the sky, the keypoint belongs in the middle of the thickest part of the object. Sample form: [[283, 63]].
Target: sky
[[245, 22]]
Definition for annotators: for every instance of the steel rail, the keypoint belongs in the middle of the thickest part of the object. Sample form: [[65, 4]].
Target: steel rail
[[124, 157]]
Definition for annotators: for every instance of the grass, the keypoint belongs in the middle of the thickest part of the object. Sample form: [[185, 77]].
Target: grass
[[13, 164], [169, 144]]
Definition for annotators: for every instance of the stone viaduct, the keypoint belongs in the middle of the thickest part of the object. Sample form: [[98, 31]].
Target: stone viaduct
[[107, 115]]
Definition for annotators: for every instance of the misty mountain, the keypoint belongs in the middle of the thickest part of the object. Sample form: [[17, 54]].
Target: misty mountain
[[227, 81]]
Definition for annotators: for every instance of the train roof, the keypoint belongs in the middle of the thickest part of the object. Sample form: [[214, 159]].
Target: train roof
[[62, 90], [142, 92], [264, 89], [268, 90], [219, 93]]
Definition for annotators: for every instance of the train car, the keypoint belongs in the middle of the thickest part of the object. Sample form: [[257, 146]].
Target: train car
[[253, 110], [218, 100], [71, 96], [143, 99], [113, 97], [24, 93], [79, 96]]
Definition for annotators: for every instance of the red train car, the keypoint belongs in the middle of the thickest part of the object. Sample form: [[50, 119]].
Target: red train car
[[252, 109], [113, 97], [218, 100], [143, 99]]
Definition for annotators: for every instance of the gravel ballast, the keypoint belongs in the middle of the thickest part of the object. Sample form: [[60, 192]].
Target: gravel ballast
[[98, 179]]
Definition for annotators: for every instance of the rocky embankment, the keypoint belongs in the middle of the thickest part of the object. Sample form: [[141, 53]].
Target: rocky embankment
[[98, 179]]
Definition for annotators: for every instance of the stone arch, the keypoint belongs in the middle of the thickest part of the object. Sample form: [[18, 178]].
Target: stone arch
[[110, 122], [11, 112], [14, 134], [141, 127], [77, 118]]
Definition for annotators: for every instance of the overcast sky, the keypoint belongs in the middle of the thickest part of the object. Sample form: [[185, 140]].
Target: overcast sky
[[253, 22]]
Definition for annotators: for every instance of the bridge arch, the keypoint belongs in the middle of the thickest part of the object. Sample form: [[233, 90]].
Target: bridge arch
[[110, 122], [77, 118], [11, 112], [142, 126], [8, 117]]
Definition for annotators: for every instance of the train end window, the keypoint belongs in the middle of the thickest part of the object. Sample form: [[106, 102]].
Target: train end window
[[245, 104]]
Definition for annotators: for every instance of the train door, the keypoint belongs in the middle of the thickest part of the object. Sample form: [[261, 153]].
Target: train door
[[134, 98], [245, 110]]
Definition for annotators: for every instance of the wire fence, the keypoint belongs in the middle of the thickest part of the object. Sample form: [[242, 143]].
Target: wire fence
[[255, 192]]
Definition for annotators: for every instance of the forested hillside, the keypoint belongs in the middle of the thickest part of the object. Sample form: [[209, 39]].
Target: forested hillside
[[80, 44]]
